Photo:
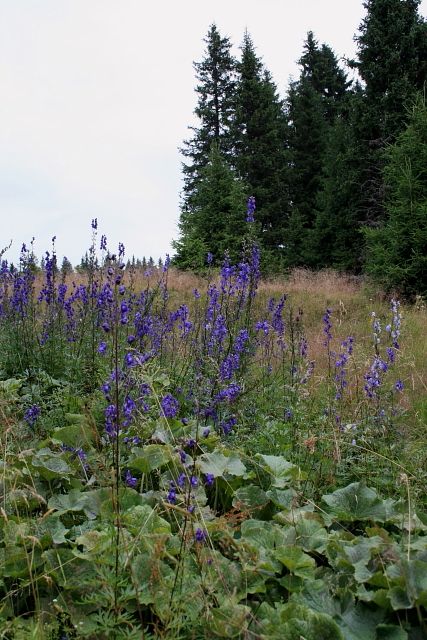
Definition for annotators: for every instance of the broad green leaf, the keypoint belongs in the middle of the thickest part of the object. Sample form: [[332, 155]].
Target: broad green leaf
[[296, 561], [391, 632], [151, 457], [218, 464], [282, 498], [250, 497], [229, 621], [53, 528], [73, 501], [359, 502], [359, 622], [69, 571], [142, 520], [50, 465], [280, 470], [310, 533], [293, 621], [75, 435]]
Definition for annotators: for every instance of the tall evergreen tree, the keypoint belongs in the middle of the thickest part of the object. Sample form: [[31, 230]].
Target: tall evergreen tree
[[397, 251], [214, 224], [392, 62], [312, 106], [260, 158], [215, 76], [335, 239]]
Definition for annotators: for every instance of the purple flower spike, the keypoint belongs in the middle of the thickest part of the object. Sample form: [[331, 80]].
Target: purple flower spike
[[398, 385], [130, 480], [170, 406], [251, 210], [200, 535]]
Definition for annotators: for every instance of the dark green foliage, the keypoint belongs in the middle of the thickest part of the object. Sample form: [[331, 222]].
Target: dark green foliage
[[214, 223], [259, 130], [215, 76], [335, 238], [392, 62], [313, 103], [397, 251]]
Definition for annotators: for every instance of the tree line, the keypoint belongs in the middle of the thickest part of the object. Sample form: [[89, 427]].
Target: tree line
[[337, 167]]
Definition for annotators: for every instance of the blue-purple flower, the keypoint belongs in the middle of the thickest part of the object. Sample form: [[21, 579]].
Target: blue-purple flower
[[170, 406]]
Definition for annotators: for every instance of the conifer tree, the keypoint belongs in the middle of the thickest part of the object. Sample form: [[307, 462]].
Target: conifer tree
[[260, 157], [336, 237], [392, 62], [215, 76], [313, 103], [214, 224], [397, 251]]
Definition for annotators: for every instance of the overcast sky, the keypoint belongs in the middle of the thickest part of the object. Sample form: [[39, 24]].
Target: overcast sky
[[96, 98]]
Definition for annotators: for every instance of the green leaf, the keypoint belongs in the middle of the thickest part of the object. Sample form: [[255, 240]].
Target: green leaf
[[280, 470], [250, 497], [310, 533], [294, 621], [282, 498], [75, 435], [358, 502], [391, 632], [151, 457], [229, 621], [50, 465], [359, 622], [296, 561], [218, 464]]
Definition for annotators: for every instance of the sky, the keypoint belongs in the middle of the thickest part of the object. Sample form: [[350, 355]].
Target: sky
[[97, 97]]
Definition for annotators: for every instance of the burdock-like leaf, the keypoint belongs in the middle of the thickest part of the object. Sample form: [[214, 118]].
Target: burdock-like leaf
[[359, 502]]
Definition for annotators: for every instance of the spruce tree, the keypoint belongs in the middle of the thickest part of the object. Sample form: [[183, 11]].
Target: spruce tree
[[215, 76], [397, 251], [392, 62], [336, 237], [214, 224], [260, 158], [313, 103]]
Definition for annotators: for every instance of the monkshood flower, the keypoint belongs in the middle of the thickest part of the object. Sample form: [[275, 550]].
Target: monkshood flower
[[171, 497], [209, 258], [276, 311], [398, 385], [232, 361], [167, 263], [129, 406], [218, 334], [32, 414], [340, 367], [102, 348], [262, 325], [394, 328], [200, 535], [308, 373], [327, 326], [230, 393], [373, 379], [227, 425], [170, 406], [130, 480], [376, 329], [303, 347], [94, 224], [255, 265], [251, 209], [209, 479], [181, 315], [111, 420]]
